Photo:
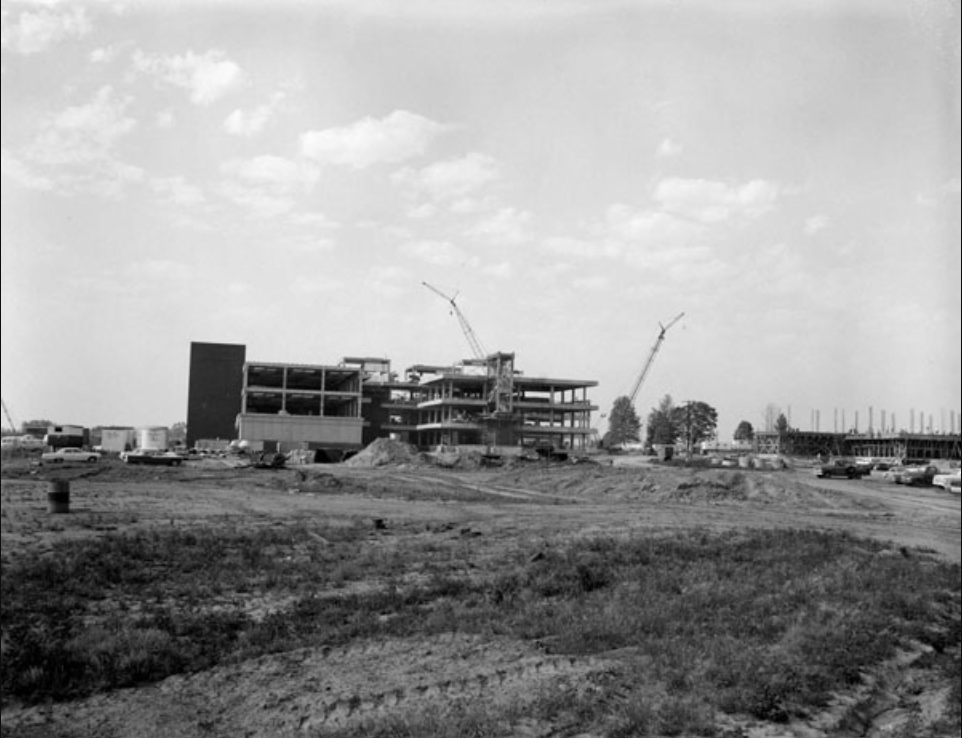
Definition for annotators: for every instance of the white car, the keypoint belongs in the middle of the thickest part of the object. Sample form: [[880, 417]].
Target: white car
[[950, 482], [69, 454]]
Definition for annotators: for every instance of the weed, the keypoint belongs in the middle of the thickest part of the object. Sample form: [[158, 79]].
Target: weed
[[768, 623]]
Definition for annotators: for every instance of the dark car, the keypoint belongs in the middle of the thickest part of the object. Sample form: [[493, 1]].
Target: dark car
[[153, 457], [848, 468], [921, 474]]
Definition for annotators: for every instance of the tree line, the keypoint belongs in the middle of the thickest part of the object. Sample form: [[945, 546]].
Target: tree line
[[687, 424]]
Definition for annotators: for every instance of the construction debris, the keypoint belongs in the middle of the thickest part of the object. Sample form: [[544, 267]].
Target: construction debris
[[385, 452]]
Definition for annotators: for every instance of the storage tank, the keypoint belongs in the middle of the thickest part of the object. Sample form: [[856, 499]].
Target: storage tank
[[152, 438]]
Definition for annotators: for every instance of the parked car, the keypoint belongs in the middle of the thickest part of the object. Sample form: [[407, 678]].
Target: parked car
[[950, 481], [841, 468], [916, 474], [69, 454], [153, 457]]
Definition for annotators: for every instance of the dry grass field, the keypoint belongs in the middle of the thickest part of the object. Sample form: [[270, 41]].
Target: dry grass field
[[539, 599]]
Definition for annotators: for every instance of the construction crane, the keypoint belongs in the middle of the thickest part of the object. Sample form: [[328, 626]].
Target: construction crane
[[6, 414], [476, 348], [651, 356]]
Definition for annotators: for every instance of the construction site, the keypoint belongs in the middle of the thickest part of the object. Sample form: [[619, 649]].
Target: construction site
[[445, 551], [484, 403]]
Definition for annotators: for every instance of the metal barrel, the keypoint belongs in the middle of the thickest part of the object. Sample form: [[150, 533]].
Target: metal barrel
[[58, 496]]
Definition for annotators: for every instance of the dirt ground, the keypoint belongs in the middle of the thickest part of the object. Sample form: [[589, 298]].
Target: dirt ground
[[492, 509]]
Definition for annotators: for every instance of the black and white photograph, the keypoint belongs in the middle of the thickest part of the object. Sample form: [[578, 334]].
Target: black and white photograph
[[481, 368]]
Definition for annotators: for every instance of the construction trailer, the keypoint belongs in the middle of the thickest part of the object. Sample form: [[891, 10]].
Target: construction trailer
[[117, 440], [67, 436]]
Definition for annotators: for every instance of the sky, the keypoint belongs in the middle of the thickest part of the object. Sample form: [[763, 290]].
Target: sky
[[287, 175]]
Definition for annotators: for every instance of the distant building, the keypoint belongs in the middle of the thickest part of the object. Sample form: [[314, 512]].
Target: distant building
[[901, 445]]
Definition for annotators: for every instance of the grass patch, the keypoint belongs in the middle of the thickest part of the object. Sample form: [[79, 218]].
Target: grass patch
[[766, 623]]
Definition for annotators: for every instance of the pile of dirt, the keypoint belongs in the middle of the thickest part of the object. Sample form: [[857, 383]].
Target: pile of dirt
[[385, 452]]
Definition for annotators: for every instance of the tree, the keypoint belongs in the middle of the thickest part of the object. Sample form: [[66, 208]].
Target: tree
[[744, 431], [662, 423], [771, 411], [781, 424], [177, 434], [623, 423], [697, 422]]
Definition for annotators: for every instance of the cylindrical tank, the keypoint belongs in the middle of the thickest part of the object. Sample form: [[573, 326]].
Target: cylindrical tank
[[152, 438]]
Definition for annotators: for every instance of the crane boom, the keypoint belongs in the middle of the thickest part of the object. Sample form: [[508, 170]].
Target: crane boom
[[476, 348], [651, 356], [6, 414]]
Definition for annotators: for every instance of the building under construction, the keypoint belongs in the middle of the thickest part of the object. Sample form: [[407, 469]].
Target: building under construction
[[890, 445], [485, 403], [338, 408]]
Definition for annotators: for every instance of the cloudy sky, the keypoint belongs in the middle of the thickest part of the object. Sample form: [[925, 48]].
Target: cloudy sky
[[287, 174]]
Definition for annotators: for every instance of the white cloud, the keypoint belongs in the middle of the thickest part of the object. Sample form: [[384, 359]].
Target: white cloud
[[389, 281], [155, 270], [501, 270], [668, 149], [315, 284], [248, 123], [257, 201], [392, 139], [83, 133], [948, 190], [165, 119], [650, 226], [815, 224], [314, 220], [208, 76], [452, 178], [580, 248], [438, 253], [505, 226], [277, 172], [711, 201], [18, 171], [105, 54], [178, 190], [312, 245], [269, 186], [592, 283], [33, 32], [74, 149]]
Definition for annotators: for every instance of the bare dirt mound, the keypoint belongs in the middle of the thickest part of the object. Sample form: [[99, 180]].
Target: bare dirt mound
[[676, 485], [386, 452]]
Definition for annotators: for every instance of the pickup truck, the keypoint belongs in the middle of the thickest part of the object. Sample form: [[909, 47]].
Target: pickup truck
[[841, 468], [152, 457]]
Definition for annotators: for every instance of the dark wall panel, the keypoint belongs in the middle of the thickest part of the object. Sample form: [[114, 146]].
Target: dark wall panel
[[214, 394]]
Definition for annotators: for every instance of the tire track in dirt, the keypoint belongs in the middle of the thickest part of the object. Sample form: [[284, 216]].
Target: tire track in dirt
[[308, 691], [500, 490]]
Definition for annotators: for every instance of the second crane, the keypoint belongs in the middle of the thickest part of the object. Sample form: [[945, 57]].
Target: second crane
[[651, 356]]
